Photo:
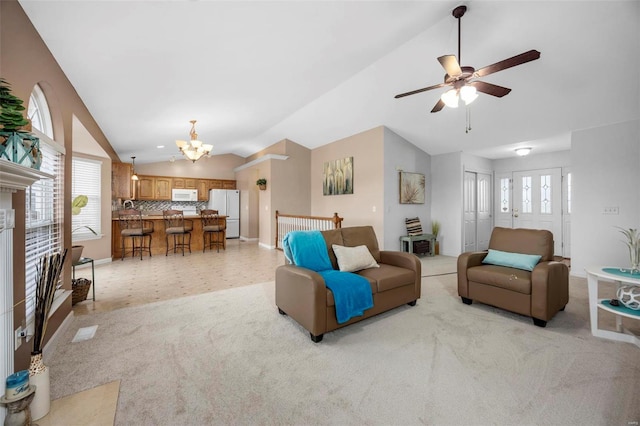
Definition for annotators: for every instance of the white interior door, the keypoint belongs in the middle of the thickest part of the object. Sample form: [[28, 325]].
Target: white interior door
[[537, 202], [469, 208], [478, 220], [484, 216], [566, 213]]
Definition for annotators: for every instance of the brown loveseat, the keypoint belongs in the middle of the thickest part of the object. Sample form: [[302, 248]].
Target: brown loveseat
[[540, 293], [301, 292]]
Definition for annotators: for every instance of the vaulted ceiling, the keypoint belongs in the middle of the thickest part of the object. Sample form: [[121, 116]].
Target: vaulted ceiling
[[253, 73]]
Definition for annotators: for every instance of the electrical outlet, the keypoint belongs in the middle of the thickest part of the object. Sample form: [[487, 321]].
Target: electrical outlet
[[611, 210], [20, 334]]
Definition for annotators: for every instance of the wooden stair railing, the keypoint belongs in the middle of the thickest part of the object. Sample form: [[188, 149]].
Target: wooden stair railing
[[288, 222]]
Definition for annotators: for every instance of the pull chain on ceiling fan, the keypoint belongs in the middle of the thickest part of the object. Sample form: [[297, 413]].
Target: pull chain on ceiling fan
[[463, 79]]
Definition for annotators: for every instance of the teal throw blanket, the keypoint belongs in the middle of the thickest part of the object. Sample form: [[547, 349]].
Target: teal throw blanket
[[351, 292]]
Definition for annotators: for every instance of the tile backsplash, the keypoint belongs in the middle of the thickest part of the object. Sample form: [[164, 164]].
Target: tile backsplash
[[145, 205]]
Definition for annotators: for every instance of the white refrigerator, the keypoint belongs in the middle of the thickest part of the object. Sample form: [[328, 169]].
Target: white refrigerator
[[227, 202]]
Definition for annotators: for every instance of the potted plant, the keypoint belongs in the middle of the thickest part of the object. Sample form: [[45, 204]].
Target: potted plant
[[76, 207], [17, 144], [435, 230], [262, 184]]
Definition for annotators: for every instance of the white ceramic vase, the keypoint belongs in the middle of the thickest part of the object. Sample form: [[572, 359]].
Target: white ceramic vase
[[39, 376]]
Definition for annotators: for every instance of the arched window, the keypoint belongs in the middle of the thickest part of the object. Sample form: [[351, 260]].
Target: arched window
[[38, 111], [44, 200]]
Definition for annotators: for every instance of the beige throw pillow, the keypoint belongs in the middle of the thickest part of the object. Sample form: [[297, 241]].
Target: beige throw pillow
[[351, 259]]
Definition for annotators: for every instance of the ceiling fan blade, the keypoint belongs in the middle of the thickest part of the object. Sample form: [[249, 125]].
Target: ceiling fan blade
[[490, 89], [522, 58], [439, 105], [450, 65], [413, 92]]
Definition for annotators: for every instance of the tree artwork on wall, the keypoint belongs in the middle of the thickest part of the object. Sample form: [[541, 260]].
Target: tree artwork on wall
[[337, 177], [411, 188]]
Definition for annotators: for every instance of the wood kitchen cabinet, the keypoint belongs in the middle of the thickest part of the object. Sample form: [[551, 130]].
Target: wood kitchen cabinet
[[203, 189], [228, 184], [146, 187], [185, 183], [215, 184], [163, 188], [154, 188], [121, 180], [159, 187]]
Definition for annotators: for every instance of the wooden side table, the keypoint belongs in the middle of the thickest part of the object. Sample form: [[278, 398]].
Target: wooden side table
[[408, 240], [84, 261]]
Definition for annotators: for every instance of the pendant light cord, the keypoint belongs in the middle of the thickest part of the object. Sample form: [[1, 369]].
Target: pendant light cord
[[468, 124]]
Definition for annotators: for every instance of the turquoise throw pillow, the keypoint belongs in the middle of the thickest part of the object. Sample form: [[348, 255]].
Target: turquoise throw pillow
[[512, 260]]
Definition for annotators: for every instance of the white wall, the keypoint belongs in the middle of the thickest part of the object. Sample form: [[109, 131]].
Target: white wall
[[605, 172], [399, 154], [533, 161], [446, 204]]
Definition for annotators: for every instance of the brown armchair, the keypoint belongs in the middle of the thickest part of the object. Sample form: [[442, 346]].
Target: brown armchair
[[539, 293]]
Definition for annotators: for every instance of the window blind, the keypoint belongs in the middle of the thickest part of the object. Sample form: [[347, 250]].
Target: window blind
[[44, 213], [86, 181]]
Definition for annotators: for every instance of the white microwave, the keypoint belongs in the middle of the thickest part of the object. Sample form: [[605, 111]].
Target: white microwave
[[184, 195]]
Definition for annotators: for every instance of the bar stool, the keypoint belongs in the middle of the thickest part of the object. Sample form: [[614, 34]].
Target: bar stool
[[212, 224], [132, 226], [176, 225]]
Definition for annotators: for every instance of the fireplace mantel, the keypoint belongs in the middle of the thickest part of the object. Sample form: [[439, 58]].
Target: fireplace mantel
[[14, 177]]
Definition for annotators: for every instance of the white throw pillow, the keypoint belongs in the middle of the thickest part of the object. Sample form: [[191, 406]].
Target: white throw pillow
[[351, 259]]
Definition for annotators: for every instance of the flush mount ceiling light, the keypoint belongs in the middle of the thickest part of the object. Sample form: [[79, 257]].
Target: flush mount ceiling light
[[523, 151], [194, 149], [134, 176]]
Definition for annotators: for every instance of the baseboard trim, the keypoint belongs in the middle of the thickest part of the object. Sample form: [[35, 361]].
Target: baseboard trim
[[266, 246], [248, 239]]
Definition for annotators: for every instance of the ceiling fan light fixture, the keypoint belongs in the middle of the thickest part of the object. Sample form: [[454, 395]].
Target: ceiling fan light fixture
[[468, 94], [193, 149], [523, 151], [450, 98]]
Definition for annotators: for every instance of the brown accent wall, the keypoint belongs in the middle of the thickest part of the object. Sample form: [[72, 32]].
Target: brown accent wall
[[24, 62], [367, 150]]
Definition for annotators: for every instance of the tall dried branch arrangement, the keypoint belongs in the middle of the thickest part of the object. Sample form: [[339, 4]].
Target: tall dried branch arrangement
[[47, 276]]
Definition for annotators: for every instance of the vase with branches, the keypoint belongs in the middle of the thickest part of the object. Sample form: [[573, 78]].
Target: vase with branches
[[48, 272]]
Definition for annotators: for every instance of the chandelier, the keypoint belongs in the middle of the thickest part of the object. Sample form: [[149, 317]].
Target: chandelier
[[194, 149]]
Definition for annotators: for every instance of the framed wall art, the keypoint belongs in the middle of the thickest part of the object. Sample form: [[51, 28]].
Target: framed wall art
[[337, 177], [412, 188]]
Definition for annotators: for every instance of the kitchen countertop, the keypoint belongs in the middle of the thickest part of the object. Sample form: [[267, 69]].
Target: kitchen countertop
[[159, 216]]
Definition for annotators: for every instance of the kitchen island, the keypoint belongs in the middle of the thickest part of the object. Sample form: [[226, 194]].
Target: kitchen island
[[158, 238]]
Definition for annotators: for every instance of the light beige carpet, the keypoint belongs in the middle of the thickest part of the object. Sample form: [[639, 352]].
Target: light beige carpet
[[438, 265], [228, 357]]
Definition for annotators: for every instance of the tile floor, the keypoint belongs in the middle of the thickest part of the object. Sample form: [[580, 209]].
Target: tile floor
[[132, 281]]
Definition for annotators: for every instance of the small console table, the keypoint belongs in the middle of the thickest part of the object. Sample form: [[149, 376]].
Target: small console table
[[84, 261], [594, 274], [428, 239]]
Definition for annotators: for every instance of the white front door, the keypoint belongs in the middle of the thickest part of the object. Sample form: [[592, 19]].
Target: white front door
[[537, 202]]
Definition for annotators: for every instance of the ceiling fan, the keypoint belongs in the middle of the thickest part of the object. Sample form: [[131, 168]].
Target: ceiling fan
[[463, 79]]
